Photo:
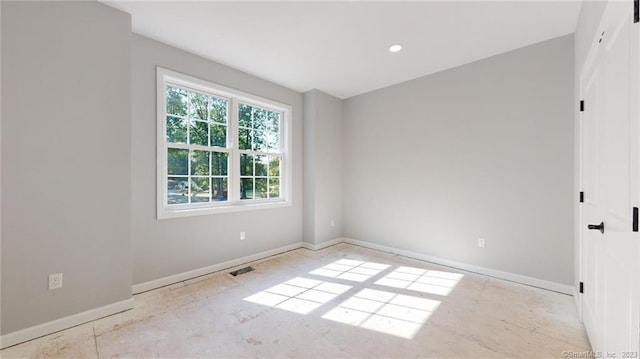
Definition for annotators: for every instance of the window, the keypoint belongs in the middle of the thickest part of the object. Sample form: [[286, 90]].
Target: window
[[219, 150]]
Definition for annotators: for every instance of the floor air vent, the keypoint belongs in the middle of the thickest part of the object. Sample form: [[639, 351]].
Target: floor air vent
[[242, 271]]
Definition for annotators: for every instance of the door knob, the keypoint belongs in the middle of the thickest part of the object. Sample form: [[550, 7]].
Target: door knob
[[597, 227]]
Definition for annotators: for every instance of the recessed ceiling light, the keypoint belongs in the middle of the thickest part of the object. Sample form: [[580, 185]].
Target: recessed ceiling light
[[395, 48]]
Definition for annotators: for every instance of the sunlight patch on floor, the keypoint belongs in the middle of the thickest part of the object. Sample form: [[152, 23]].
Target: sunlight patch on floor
[[349, 269], [421, 280], [299, 295], [384, 312]]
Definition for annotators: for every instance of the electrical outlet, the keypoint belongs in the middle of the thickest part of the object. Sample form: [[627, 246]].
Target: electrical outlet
[[333, 224], [55, 281], [481, 242], [242, 236]]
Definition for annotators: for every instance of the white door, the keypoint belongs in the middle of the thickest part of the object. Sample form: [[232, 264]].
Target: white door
[[609, 178], [590, 209]]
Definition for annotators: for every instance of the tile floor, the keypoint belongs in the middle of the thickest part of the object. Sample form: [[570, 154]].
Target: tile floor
[[342, 301]]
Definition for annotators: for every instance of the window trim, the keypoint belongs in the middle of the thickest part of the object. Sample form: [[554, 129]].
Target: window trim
[[234, 204]]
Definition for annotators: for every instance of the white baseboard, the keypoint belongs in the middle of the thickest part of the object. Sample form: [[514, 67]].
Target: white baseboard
[[53, 326], [157, 283], [322, 245], [534, 282]]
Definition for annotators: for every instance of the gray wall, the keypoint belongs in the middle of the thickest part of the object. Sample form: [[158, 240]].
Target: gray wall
[[323, 167], [66, 165], [482, 150], [166, 247]]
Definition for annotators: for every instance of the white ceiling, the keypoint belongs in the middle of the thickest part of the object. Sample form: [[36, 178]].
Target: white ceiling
[[342, 47]]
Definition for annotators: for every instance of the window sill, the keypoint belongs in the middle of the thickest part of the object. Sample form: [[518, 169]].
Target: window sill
[[168, 213]]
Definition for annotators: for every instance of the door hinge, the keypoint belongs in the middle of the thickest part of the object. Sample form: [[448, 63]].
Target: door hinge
[[581, 287], [636, 11], [581, 105], [581, 197], [635, 219]]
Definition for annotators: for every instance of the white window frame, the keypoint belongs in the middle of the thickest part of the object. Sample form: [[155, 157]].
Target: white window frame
[[166, 77]]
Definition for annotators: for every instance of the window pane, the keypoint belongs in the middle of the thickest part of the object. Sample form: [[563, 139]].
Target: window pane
[[261, 188], [200, 190], [178, 161], [246, 165], [218, 135], [259, 141], [274, 187], [176, 101], [177, 190], [261, 165], [200, 163], [198, 106], [244, 115], [246, 188], [218, 109], [219, 163], [199, 133], [272, 142], [244, 138], [274, 166], [219, 189], [176, 130], [274, 122], [259, 119]]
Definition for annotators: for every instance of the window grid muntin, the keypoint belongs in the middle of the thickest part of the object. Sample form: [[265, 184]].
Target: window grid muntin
[[253, 129], [275, 153], [269, 158], [192, 119], [189, 176]]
